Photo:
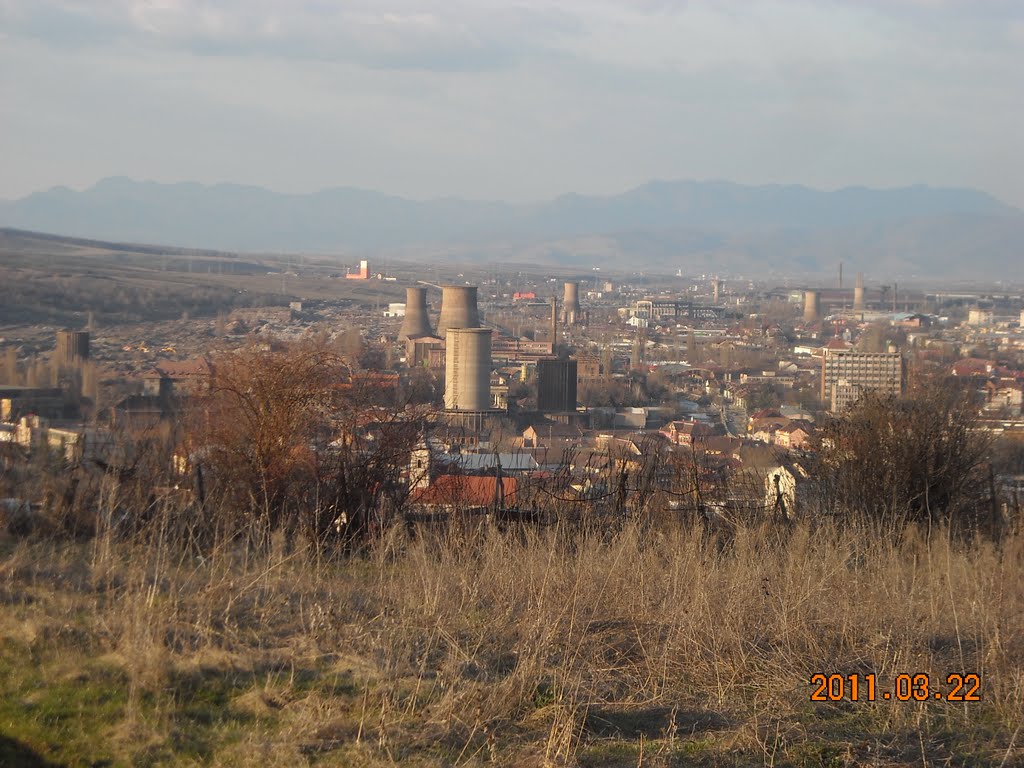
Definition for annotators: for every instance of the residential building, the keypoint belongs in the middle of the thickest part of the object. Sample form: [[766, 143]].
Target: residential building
[[846, 375]]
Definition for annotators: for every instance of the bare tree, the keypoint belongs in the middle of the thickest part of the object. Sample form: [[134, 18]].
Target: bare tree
[[290, 436], [918, 457]]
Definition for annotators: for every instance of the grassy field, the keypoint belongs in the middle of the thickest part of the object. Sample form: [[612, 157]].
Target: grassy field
[[638, 647]]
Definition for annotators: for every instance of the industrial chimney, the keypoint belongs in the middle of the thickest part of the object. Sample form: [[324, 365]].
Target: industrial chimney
[[467, 369], [571, 313], [417, 321], [458, 309], [858, 293], [812, 306]]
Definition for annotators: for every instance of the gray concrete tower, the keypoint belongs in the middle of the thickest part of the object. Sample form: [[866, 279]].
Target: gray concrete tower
[[417, 320], [458, 309], [467, 369]]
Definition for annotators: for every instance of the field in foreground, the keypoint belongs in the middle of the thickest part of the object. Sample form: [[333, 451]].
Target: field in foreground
[[634, 648]]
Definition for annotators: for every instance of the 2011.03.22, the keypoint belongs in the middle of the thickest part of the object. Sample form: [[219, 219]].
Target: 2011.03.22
[[905, 687]]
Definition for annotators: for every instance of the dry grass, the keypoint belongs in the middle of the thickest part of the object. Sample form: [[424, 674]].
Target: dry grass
[[641, 647]]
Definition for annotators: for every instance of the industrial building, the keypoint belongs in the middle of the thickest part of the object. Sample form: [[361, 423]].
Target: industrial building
[[847, 374], [669, 309], [48, 402], [362, 274], [556, 386], [72, 349]]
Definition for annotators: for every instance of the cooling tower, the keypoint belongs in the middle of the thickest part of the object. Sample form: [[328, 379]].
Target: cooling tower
[[458, 309], [571, 313], [858, 293], [718, 285], [812, 306], [467, 369], [417, 321]]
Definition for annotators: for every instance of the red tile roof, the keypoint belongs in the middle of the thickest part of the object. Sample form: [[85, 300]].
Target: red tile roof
[[465, 491]]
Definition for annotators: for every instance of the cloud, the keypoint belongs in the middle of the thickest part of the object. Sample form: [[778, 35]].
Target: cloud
[[450, 36], [520, 98]]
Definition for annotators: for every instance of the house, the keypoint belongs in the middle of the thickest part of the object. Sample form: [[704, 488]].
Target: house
[[465, 492], [68, 441], [178, 377], [686, 432], [794, 435], [630, 418], [551, 435], [972, 367]]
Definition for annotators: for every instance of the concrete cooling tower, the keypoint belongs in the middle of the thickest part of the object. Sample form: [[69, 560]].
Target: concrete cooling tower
[[571, 313], [858, 293], [812, 306], [417, 321], [467, 369], [458, 309]]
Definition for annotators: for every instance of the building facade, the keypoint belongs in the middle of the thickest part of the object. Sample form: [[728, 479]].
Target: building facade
[[847, 374]]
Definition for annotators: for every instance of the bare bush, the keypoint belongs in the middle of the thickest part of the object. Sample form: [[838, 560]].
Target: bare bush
[[918, 457]]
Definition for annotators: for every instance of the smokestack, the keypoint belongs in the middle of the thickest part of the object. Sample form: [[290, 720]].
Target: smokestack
[[812, 306], [554, 323], [895, 294], [458, 309], [571, 304], [840, 275], [417, 320], [858, 293], [467, 369]]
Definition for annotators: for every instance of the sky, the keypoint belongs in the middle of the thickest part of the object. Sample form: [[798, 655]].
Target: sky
[[513, 101]]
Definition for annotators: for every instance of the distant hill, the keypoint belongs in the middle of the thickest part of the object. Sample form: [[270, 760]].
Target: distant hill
[[688, 224]]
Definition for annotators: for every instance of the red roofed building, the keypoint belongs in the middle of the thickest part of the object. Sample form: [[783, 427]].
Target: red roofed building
[[686, 432], [466, 491], [972, 367]]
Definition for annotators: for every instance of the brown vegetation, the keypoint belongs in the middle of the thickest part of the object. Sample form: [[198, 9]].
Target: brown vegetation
[[186, 622], [550, 647]]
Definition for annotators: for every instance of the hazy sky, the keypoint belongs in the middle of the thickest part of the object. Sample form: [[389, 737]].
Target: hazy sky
[[512, 100]]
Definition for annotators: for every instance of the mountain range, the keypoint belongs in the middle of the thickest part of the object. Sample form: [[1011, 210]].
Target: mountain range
[[702, 225]]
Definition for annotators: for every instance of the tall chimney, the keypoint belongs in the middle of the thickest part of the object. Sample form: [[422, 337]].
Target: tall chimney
[[417, 320], [554, 323]]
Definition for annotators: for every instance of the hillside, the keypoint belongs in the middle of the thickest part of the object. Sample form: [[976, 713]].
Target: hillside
[[687, 224]]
